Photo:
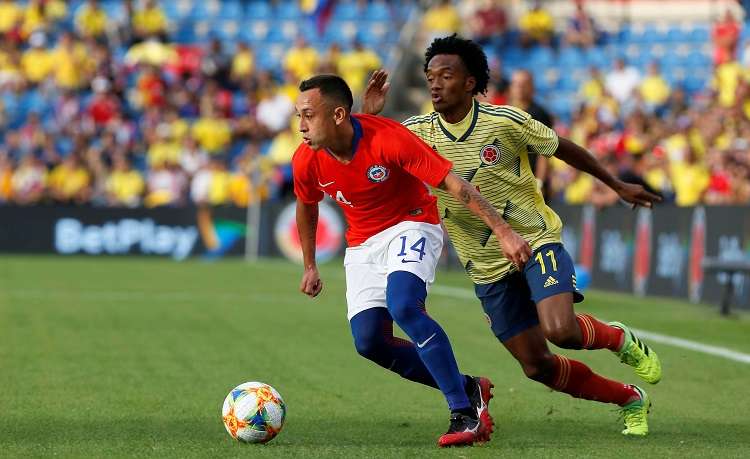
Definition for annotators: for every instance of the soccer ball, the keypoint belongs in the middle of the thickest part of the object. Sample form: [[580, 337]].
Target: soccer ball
[[253, 412]]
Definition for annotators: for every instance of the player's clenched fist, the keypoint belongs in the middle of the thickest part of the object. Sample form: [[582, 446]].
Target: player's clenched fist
[[515, 248], [311, 284]]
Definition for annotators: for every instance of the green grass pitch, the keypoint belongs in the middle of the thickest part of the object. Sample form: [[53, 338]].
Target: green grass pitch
[[133, 357]]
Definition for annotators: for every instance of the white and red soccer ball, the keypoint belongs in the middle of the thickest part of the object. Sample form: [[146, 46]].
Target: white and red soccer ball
[[253, 412]]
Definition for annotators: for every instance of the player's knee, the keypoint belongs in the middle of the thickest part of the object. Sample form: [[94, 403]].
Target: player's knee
[[541, 369], [369, 346], [566, 337], [405, 296]]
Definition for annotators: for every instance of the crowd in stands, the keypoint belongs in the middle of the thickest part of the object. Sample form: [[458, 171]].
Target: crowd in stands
[[691, 145], [98, 106]]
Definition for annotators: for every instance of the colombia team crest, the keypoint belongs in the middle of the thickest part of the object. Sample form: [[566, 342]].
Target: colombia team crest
[[490, 155], [377, 173]]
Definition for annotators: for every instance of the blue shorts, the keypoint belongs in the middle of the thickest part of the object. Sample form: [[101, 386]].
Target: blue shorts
[[510, 303]]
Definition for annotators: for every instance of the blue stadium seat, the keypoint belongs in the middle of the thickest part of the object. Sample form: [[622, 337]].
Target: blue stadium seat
[[677, 35], [342, 32], [258, 10], [345, 11], [227, 30], [205, 9], [185, 32], [540, 57], [231, 9], [288, 10], [700, 34], [694, 84], [698, 59], [377, 11], [373, 33], [571, 56], [255, 31], [596, 57], [567, 82]]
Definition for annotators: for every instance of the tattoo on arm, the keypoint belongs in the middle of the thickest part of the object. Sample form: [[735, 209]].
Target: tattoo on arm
[[483, 207]]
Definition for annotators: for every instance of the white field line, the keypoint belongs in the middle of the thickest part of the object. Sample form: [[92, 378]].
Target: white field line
[[718, 351]]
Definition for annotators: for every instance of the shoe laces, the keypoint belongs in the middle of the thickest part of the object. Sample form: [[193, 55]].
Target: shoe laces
[[631, 413]]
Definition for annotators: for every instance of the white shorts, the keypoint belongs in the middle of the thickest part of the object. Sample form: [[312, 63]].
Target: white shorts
[[408, 246]]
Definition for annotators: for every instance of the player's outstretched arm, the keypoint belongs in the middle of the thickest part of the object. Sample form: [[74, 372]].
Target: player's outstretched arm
[[515, 248], [307, 226], [582, 160], [373, 99]]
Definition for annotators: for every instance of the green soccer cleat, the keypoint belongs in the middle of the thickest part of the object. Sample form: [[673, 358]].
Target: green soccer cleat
[[635, 353], [635, 414]]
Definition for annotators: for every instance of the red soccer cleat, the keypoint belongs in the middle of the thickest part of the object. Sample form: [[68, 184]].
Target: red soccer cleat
[[463, 431], [479, 396]]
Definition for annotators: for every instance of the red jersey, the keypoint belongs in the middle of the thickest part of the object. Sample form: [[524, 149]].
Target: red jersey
[[383, 185]]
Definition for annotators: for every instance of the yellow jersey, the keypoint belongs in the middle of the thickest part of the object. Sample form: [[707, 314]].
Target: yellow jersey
[[490, 148]]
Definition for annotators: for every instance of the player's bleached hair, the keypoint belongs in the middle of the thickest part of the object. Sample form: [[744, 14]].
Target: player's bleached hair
[[471, 55], [332, 87]]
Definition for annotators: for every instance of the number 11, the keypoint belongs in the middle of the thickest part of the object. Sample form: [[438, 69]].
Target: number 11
[[551, 255]]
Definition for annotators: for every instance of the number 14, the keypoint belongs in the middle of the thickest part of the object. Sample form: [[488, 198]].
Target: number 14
[[551, 255]]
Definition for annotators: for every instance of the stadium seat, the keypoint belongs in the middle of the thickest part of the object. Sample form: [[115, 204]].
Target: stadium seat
[[700, 34], [378, 11], [288, 10], [254, 31], [258, 10], [345, 11], [342, 32], [373, 33], [571, 56], [227, 30]]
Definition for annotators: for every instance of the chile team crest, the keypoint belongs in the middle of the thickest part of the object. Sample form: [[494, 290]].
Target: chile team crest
[[490, 155], [377, 174]]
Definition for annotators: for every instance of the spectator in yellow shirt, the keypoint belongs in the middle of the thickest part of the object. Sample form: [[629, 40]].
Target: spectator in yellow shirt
[[68, 62], [165, 150], [124, 185], [6, 178], [726, 81], [690, 179], [150, 21], [33, 18], [537, 26], [212, 133], [301, 59], [442, 19], [354, 66], [654, 88], [210, 186], [29, 181], [91, 20], [36, 62], [243, 63], [69, 182], [10, 14], [592, 90]]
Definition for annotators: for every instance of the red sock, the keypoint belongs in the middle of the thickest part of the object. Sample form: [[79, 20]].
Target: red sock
[[577, 380], [598, 335]]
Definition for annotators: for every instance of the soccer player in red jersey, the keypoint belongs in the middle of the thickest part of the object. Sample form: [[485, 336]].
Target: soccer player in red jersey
[[377, 171]]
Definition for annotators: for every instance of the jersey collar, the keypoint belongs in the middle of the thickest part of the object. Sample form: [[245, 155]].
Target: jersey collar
[[474, 116], [357, 134]]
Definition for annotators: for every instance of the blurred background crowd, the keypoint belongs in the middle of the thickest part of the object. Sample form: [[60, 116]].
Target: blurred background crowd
[[129, 103]]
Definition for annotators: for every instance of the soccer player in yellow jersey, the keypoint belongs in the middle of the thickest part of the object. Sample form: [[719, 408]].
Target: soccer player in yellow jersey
[[527, 294]]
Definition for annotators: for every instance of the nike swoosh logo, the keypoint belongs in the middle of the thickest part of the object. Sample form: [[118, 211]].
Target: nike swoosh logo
[[424, 343], [323, 185], [409, 261]]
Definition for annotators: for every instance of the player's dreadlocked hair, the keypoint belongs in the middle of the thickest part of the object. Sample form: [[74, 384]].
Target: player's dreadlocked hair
[[470, 53]]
